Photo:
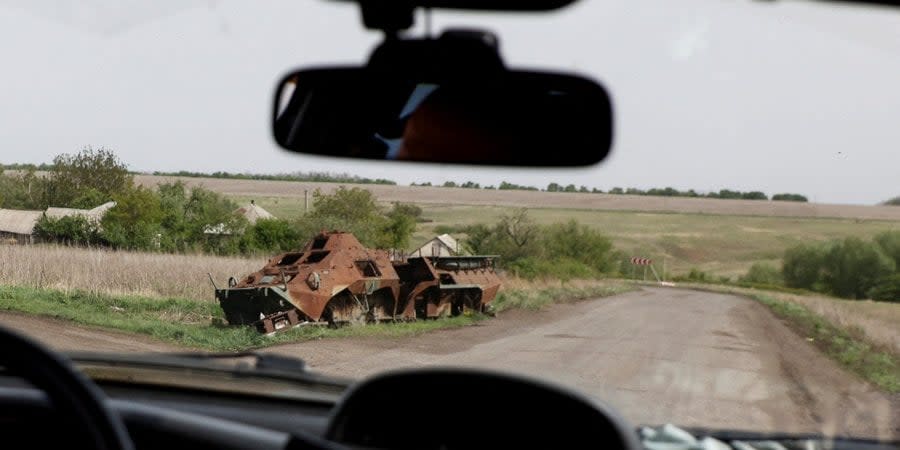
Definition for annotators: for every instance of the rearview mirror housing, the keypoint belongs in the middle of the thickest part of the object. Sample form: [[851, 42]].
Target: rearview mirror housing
[[445, 100]]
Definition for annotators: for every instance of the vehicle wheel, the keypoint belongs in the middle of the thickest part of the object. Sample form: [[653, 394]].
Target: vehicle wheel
[[77, 400]]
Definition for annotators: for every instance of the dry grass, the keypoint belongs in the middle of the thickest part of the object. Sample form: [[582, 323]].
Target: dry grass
[[879, 321], [118, 272]]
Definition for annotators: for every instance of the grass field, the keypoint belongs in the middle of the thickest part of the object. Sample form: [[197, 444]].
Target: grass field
[[724, 245], [293, 192]]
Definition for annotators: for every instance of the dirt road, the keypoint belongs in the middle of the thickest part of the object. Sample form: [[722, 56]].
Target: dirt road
[[656, 355], [64, 336]]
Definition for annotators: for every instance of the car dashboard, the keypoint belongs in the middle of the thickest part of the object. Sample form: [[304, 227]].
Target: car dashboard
[[160, 418]]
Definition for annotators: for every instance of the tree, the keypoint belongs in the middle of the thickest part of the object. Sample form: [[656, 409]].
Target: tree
[[577, 242], [754, 195], [889, 242], [570, 188], [271, 235], [893, 202], [886, 289], [616, 191], [98, 174], [355, 210], [23, 191], [135, 221], [197, 218], [78, 230], [789, 198], [409, 209], [396, 231], [352, 205], [802, 266], [554, 187], [449, 184], [853, 266]]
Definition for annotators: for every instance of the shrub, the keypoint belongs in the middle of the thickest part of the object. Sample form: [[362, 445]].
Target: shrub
[[77, 230], [789, 198], [889, 241], [271, 235], [761, 273], [886, 289], [802, 266], [852, 267]]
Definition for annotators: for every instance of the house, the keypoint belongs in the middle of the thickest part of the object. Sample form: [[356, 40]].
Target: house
[[18, 225], [443, 245], [253, 212]]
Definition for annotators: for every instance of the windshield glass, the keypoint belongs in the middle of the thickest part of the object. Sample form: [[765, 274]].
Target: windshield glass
[[733, 264]]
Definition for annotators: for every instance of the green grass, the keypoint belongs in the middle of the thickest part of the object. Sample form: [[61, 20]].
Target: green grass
[[197, 324], [539, 298], [184, 322], [848, 346]]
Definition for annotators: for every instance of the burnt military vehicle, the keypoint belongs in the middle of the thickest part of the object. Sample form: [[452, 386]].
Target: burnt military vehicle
[[335, 280]]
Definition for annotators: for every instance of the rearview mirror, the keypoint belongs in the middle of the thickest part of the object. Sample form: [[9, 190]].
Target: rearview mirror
[[447, 101]]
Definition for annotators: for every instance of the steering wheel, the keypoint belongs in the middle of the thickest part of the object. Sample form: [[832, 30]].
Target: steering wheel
[[77, 400]]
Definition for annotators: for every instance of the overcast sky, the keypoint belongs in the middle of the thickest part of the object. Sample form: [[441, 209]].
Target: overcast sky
[[709, 94]]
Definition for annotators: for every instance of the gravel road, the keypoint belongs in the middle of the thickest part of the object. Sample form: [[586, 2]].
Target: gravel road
[[657, 355]]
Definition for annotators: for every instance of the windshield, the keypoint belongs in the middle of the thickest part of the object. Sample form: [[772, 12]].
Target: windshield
[[734, 264]]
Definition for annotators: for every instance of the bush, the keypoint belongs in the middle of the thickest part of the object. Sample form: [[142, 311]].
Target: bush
[[271, 235], [135, 222], [889, 242], [802, 266], [580, 243], [86, 179], [789, 198], [559, 268], [886, 289], [761, 273], [852, 267], [77, 230]]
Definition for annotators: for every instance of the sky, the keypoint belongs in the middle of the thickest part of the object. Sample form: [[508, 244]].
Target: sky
[[789, 96]]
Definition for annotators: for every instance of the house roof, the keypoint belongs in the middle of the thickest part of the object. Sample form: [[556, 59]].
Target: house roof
[[254, 212], [448, 240], [18, 221], [95, 213]]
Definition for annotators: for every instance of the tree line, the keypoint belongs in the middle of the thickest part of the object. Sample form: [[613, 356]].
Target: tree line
[[653, 192], [314, 177], [850, 268]]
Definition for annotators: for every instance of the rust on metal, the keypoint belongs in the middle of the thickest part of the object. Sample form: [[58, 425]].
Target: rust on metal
[[335, 280]]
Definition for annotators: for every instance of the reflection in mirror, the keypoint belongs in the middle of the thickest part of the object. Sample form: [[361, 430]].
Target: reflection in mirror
[[514, 118]]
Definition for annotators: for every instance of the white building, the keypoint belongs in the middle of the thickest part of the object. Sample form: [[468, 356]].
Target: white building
[[443, 245]]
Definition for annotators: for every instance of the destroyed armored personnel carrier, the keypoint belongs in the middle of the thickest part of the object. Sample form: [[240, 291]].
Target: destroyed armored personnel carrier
[[335, 280]]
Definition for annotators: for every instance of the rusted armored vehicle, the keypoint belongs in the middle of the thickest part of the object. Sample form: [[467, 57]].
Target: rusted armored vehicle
[[335, 280]]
